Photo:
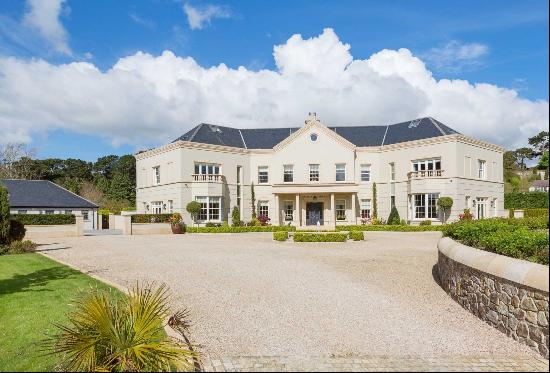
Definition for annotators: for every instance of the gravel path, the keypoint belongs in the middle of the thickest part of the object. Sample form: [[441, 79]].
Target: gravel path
[[250, 296]]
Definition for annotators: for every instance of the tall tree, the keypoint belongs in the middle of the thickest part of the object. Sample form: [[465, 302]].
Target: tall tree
[[523, 154], [539, 143]]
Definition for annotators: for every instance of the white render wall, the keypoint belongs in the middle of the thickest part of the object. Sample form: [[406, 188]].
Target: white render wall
[[458, 155]]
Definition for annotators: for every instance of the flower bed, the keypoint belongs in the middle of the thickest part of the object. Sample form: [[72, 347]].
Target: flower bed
[[36, 219], [516, 238], [320, 237]]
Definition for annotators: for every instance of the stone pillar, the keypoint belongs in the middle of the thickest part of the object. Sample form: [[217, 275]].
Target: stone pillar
[[332, 209], [277, 217], [298, 211], [353, 212], [112, 224], [124, 223], [79, 226], [99, 221]]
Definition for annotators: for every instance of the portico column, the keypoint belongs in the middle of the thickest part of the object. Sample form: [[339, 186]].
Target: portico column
[[353, 212], [277, 217], [297, 211], [332, 209]]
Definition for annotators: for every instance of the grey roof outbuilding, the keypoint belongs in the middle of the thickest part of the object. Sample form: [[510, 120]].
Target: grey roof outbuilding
[[42, 193]]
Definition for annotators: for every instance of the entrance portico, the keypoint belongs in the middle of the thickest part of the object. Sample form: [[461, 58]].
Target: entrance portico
[[312, 209]]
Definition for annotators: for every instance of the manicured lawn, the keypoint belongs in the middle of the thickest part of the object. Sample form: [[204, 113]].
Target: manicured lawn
[[34, 292]]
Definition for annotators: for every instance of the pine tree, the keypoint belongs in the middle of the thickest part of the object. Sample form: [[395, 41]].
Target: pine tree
[[374, 202], [4, 216], [394, 218], [253, 201]]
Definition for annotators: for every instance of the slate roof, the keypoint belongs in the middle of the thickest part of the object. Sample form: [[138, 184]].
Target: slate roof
[[42, 193], [267, 138], [540, 183]]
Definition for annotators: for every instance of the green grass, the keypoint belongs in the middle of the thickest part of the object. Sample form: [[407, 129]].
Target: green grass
[[34, 293]]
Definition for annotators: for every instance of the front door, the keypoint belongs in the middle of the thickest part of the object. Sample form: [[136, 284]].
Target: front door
[[314, 213]]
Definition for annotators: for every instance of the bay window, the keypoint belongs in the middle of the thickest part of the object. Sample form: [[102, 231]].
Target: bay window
[[425, 206], [210, 208]]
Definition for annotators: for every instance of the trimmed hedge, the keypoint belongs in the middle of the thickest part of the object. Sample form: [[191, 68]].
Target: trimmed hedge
[[530, 200], [516, 238], [320, 237], [36, 219], [280, 235], [535, 213], [243, 229], [151, 218], [394, 228], [356, 235]]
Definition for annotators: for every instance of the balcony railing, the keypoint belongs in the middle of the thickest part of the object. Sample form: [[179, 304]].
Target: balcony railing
[[425, 173], [208, 177]]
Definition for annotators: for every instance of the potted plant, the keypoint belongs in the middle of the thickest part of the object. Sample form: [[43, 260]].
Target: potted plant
[[175, 223]]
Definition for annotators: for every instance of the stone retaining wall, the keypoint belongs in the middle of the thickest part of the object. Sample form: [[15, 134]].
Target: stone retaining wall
[[509, 294]]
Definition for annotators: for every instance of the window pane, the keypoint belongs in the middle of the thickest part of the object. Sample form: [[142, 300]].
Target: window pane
[[288, 175], [420, 206], [313, 172], [197, 168], [365, 172]]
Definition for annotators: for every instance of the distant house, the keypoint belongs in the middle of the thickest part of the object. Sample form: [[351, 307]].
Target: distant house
[[45, 197], [539, 186]]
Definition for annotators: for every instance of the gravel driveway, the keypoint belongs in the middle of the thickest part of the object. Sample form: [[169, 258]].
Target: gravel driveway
[[250, 296]]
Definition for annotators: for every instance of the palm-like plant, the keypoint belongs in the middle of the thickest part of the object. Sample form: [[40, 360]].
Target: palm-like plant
[[112, 333]]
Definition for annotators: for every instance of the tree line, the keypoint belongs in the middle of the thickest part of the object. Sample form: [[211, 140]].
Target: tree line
[[110, 181], [517, 174]]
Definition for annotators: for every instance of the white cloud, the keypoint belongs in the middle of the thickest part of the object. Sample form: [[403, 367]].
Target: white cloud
[[43, 16], [147, 100], [199, 17], [455, 55], [142, 21]]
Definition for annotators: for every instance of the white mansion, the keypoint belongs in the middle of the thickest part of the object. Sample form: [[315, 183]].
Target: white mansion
[[315, 173]]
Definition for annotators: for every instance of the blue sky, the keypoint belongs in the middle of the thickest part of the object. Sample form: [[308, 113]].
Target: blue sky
[[503, 43]]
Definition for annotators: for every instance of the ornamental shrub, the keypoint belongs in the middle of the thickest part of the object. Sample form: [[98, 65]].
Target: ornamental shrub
[[517, 238], [445, 204], [193, 208], [280, 235], [394, 218], [17, 230], [36, 219], [356, 235], [235, 217], [320, 237], [533, 200]]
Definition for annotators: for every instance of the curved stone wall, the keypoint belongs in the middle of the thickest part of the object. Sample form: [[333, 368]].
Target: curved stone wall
[[509, 294]]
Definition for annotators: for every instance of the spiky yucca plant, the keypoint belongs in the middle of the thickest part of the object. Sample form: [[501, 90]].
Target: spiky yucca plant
[[111, 333]]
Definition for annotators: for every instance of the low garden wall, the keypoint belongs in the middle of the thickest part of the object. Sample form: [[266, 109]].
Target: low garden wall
[[151, 228], [507, 293], [33, 231]]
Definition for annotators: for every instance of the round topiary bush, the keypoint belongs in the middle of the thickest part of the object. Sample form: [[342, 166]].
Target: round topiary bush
[[445, 204]]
